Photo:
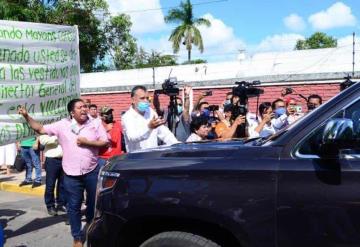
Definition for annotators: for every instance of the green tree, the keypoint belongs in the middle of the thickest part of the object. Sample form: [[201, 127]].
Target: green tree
[[153, 59], [196, 61], [92, 18], [23, 10], [122, 44], [187, 32], [316, 41], [87, 15]]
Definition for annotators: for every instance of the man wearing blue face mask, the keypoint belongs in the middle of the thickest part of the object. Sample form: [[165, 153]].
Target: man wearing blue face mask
[[141, 125], [283, 114]]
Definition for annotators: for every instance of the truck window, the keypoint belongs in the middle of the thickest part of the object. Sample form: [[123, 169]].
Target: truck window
[[310, 146]]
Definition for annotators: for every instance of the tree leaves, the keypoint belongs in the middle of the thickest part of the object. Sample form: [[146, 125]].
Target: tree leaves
[[316, 41], [187, 32]]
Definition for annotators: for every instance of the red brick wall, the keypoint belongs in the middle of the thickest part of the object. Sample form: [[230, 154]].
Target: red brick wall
[[121, 101]]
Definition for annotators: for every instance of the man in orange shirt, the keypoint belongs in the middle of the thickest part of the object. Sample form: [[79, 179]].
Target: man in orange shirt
[[113, 129]]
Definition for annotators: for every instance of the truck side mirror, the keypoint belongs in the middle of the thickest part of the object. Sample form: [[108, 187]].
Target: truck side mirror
[[338, 134], [338, 130]]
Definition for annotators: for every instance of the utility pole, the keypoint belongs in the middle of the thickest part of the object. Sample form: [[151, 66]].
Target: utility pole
[[153, 69], [353, 63]]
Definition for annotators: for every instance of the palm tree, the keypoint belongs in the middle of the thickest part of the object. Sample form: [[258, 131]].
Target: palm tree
[[187, 32]]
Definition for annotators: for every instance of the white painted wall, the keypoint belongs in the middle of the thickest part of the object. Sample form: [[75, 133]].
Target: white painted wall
[[262, 64]]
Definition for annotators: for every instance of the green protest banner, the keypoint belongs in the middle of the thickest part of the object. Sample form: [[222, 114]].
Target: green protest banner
[[40, 69]]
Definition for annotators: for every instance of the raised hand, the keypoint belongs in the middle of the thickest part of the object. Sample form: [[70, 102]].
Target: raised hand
[[22, 111], [240, 120], [187, 90], [156, 122]]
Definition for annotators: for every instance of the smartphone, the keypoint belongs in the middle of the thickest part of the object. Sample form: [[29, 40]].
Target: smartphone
[[297, 108], [207, 93]]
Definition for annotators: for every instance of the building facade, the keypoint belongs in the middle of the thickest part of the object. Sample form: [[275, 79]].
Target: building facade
[[307, 72]]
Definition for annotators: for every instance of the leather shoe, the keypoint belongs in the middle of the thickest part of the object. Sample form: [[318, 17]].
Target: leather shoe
[[52, 211], [23, 183], [61, 209], [36, 184]]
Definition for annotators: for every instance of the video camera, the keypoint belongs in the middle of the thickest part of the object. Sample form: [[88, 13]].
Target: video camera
[[169, 87], [213, 108], [347, 83], [244, 90], [286, 91]]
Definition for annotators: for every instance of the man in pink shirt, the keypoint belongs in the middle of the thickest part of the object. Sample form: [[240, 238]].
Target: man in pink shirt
[[80, 140]]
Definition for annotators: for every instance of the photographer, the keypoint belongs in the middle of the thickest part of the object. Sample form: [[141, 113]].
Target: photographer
[[294, 110], [200, 98], [182, 125], [285, 113], [200, 105], [241, 94], [262, 127], [226, 129]]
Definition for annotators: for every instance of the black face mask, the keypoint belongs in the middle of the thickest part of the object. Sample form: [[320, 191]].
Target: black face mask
[[109, 118], [311, 106]]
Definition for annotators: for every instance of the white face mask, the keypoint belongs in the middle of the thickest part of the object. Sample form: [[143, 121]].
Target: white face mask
[[75, 128]]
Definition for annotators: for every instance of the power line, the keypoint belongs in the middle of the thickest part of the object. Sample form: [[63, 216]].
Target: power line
[[193, 4]]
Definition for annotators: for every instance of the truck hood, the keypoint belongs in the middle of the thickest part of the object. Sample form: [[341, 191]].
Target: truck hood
[[188, 154]]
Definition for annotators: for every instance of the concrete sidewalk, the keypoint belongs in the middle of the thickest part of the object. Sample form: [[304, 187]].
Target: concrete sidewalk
[[10, 182]]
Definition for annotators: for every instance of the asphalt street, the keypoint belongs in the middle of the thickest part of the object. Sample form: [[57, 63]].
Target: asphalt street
[[27, 224]]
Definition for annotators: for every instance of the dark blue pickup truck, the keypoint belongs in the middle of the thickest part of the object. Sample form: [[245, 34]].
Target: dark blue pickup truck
[[299, 187]]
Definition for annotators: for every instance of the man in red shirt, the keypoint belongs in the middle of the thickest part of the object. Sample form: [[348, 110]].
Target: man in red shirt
[[113, 129]]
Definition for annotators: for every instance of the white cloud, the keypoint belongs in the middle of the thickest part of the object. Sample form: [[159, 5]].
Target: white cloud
[[219, 40], [161, 44], [220, 43], [337, 15], [294, 22], [348, 41], [278, 42], [143, 21]]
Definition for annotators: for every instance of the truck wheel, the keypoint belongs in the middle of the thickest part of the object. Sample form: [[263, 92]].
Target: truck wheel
[[178, 239]]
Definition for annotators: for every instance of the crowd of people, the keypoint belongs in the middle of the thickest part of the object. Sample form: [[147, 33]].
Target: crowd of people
[[77, 147]]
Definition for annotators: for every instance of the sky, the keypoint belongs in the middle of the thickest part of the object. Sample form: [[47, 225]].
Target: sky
[[243, 26]]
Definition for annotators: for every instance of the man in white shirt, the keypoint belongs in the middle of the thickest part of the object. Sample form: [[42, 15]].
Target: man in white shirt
[[54, 175], [262, 125], [284, 114], [141, 125]]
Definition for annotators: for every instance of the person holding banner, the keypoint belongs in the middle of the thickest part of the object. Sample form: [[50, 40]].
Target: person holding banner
[[80, 140]]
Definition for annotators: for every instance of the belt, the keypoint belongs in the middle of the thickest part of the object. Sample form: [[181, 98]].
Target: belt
[[60, 158]]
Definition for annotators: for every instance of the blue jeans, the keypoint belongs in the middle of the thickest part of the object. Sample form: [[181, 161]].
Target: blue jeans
[[74, 187], [54, 172], [101, 162], [31, 158]]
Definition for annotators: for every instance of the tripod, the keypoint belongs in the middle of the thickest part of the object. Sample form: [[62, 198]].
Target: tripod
[[173, 114]]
